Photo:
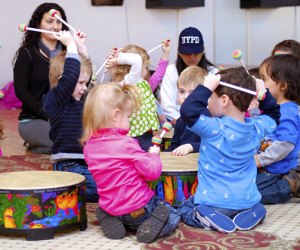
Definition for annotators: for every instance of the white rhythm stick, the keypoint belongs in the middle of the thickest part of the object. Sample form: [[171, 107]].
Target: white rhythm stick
[[102, 66], [53, 13], [24, 28], [238, 88], [237, 54], [158, 46]]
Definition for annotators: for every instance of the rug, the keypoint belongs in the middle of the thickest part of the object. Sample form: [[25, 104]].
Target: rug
[[184, 237]]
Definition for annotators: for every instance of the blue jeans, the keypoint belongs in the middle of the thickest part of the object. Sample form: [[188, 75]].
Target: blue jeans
[[79, 166], [273, 188], [172, 223], [188, 212], [145, 140]]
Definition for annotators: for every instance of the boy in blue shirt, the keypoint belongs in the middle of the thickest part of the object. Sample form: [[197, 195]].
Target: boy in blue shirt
[[227, 198]]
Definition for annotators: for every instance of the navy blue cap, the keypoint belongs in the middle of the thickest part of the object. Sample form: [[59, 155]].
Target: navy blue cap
[[190, 41]]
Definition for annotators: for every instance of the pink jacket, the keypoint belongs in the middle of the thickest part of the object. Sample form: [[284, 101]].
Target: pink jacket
[[121, 170]]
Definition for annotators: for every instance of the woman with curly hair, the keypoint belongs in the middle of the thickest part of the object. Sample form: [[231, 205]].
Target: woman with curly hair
[[31, 75]]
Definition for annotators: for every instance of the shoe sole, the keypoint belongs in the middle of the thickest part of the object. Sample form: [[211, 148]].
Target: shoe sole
[[248, 219], [110, 225], [150, 229], [214, 219]]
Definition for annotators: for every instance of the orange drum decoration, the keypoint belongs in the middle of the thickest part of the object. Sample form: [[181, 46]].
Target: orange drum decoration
[[37, 203], [178, 180]]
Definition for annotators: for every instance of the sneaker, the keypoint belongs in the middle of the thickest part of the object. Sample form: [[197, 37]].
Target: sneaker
[[250, 218], [215, 220], [294, 180], [150, 229], [110, 225]]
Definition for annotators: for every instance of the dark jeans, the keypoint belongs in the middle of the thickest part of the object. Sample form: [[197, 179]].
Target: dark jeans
[[172, 223], [273, 188], [188, 212], [79, 166]]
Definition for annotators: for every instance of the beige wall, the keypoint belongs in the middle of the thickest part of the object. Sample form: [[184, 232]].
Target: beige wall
[[224, 25]]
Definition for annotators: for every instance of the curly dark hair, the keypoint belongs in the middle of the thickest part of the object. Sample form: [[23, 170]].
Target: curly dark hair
[[285, 69], [31, 37], [239, 77]]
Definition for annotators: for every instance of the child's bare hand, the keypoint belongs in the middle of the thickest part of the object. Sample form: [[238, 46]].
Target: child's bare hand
[[112, 59], [154, 149], [65, 37], [80, 40], [80, 37], [212, 82], [166, 48], [260, 85], [182, 150]]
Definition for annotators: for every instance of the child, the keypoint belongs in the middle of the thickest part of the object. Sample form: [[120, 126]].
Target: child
[[130, 66], [281, 75], [227, 198], [121, 168], [183, 140], [63, 104]]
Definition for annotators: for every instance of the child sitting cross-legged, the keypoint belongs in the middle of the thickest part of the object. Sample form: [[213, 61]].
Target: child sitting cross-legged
[[227, 198], [121, 168]]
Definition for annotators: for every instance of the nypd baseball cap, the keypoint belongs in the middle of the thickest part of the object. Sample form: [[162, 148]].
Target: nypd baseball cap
[[190, 41]]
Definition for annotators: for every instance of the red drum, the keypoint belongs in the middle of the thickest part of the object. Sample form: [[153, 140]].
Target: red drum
[[178, 180], [37, 203]]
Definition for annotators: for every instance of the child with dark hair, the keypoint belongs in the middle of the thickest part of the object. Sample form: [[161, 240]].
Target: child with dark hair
[[227, 198], [278, 181]]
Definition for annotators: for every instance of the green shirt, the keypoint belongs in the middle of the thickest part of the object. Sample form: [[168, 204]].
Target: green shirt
[[146, 118]]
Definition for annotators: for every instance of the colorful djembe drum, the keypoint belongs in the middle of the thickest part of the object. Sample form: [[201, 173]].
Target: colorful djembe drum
[[178, 180], [37, 203]]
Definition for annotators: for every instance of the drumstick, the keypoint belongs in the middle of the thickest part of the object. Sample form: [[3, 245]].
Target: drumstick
[[158, 46], [237, 54], [53, 13], [238, 88], [157, 139], [167, 126], [260, 95], [102, 66], [24, 28]]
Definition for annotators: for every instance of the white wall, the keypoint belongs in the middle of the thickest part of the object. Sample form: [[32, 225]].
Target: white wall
[[224, 25]]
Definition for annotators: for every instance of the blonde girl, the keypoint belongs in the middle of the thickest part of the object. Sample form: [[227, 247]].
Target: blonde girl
[[121, 168]]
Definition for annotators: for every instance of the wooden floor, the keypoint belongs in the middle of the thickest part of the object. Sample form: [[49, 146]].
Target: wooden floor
[[13, 143]]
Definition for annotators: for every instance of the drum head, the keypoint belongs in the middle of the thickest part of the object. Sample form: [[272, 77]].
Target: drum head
[[28, 180], [187, 163]]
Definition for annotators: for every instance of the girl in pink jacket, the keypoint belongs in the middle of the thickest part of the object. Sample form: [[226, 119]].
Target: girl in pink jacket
[[121, 168]]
